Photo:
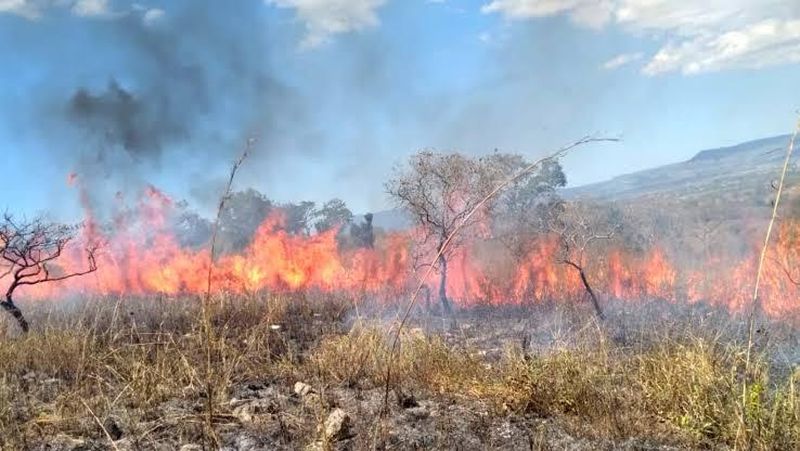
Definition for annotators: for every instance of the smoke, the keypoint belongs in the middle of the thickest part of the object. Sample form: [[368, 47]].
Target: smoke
[[123, 121], [174, 99], [171, 101]]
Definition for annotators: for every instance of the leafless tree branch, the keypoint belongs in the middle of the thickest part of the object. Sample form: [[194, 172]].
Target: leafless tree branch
[[26, 248]]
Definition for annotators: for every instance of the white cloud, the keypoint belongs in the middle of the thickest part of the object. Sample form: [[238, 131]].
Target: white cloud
[[767, 43], [711, 35], [90, 8], [35, 9], [622, 60], [24, 8], [324, 18], [153, 16], [592, 13]]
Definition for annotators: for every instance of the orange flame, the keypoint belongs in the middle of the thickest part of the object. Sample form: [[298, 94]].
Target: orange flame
[[143, 257]]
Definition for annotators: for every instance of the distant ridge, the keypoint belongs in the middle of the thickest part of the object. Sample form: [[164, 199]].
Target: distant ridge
[[779, 142], [746, 166]]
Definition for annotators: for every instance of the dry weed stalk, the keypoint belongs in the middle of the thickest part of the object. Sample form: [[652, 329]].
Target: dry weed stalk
[[751, 320], [208, 331], [100, 423], [444, 246]]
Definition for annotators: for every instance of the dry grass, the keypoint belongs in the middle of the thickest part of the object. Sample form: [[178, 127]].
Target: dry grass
[[138, 365], [680, 391], [143, 360]]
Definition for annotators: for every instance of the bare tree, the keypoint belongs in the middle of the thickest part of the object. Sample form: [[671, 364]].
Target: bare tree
[[440, 191], [579, 229], [27, 249], [706, 231]]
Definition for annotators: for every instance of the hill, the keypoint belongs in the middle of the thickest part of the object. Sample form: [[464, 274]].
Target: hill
[[742, 171]]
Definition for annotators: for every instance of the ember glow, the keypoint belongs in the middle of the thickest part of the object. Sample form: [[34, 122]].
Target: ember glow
[[141, 257]]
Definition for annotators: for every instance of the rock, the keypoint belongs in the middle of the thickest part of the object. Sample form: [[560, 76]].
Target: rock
[[302, 389], [250, 411], [336, 426]]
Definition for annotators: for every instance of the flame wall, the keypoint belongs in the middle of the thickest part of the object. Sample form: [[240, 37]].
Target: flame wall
[[140, 258]]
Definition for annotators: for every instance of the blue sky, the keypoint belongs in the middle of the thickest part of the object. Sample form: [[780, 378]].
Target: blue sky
[[338, 91]]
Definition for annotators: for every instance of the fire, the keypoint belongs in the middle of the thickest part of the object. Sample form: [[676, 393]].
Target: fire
[[142, 257]]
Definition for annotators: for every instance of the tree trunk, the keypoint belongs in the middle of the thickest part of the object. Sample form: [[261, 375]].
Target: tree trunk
[[443, 285], [9, 306], [589, 290], [427, 292]]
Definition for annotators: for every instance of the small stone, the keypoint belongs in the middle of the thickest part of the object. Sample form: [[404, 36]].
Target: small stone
[[302, 389], [191, 447], [251, 411], [336, 425]]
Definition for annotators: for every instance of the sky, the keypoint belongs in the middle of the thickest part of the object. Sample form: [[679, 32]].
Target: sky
[[335, 93]]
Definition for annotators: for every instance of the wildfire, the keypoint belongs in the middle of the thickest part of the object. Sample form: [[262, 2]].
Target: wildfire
[[142, 257]]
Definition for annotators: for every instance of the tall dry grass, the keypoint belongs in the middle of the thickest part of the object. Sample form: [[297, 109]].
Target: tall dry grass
[[140, 364]]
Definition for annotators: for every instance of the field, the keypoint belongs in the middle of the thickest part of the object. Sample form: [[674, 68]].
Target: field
[[266, 372], [399, 225], [296, 340]]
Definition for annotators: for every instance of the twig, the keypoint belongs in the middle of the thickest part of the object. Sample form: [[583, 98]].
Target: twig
[[100, 423], [786, 271], [502, 185]]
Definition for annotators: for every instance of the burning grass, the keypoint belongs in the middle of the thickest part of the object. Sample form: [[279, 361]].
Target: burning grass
[[539, 377]]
